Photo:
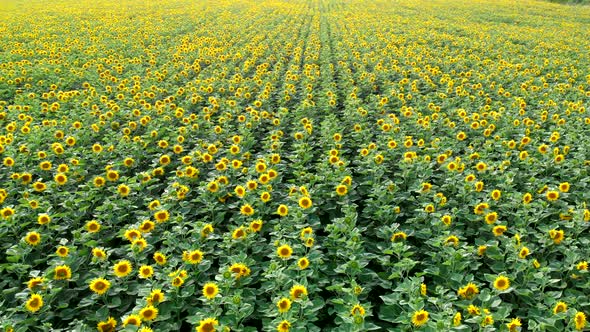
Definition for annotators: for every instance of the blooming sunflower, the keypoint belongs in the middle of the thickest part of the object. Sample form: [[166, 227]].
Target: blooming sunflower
[[514, 325], [303, 263], [92, 226], [122, 268], [162, 215], [238, 233], [210, 290], [132, 320], [62, 272], [100, 286], [420, 318], [468, 291], [305, 203], [148, 313], [34, 303], [33, 238], [580, 320], [501, 283], [239, 270], [284, 305], [559, 307], [256, 225], [297, 291], [282, 210], [193, 257], [247, 210], [160, 258], [107, 326], [207, 325], [146, 271], [284, 326], [357, 310], [43, 219], [156, 296], [284, 251]]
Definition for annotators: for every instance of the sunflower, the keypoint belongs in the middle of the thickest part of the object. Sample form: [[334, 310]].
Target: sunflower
[[92, 226], [580, 320], [303, 263], [210, 290], [147, 226], [297, 292], [148, 313], [468, 291], [282, 210], [283, 326], [524, 251], [177, 281], [107, 326], [527, 198], [160, 258], [132, 320], [132, 234], [499, 230], [501, 283], [162, 216], [240, 191], [491, 217], [43, 219], [62, 272], [122, 268], [139, 244], [473, 310], [100, 286], [247, 210], [457, 319], [99, 253], [146, 271], [156, 296], [357, 310], [34, 303], [213, 186], [452, 240], [552, 195], [256, 225], [33, 238], [341, 190], [559, 307], [207, 325], [35, 282], [398, 236], [557, 235], [514, 325], [99, 181], [487, 320], [112, 175], [446, 219], [238, 233], [265, 197], [305, 203], [582, 266], [7, 212], [420, 318], [193, 257], [284, 305], [284, 251], [39, 186], [206, 230], [239, 270], [123, 190]]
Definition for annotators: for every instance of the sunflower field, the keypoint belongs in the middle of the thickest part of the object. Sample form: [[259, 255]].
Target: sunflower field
[[302, 165]]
